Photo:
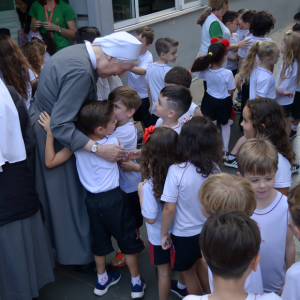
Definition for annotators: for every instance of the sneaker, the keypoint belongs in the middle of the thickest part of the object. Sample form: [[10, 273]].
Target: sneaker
[[137, 290], [234, 102], [140, 141], [231, 163], [113, 278], [225, 155], [293, 134], [237, 110], [230, 122], [119, 260], [174, 289], [295, 168], [239, 97]]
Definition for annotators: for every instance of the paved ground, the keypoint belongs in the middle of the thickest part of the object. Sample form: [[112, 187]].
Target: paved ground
[[70, 285]]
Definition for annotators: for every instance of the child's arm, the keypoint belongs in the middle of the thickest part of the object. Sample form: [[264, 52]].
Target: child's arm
[[197, 112], [138, 71], [52, 159], [150, 100], [289, 249], [140, 192], [129, 166], [167, 218], [233, 57], [284, 93]]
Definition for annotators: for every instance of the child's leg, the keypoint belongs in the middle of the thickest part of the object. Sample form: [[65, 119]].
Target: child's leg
[[164, 281], [191, 280], [202, 273], [226, 136], [237, 146], [181, 279], [100, 264], [288, 126], [132, 263]]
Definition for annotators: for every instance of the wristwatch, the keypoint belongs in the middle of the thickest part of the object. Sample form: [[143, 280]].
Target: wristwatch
[[94, 148], [59, 31]]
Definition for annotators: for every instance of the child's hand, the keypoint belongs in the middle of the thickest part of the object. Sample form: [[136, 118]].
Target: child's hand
[[140, 188], [288, 94], [244, 44], [164, 242], [44, 121], [129, 166], [134, 154], [237, 80]]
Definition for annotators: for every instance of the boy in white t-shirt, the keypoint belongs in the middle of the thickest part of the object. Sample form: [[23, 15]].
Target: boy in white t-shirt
[[136, 76], [166, 49], [257, 162], [173, 102], [107, 205], [224, 191], [291, 290], [126, 101], [230, 243], [181, 76]]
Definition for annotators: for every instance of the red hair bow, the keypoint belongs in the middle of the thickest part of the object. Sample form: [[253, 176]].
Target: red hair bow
[[225, 42], [146, 135]]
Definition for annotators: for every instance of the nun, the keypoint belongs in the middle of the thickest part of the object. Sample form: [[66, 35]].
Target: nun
[[26, 258], [66, 82]]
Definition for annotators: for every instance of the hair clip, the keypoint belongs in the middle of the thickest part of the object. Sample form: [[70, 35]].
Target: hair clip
[[268, 49], [259, 43], [289, 32], [209, 8], [146, 135], [210, 53], [187, 118]]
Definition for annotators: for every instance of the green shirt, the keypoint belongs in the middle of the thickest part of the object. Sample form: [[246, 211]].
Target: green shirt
[[215, 30], [62, 14]]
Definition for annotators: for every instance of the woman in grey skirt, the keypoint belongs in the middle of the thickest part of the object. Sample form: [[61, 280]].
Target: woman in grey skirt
[[26, 259]]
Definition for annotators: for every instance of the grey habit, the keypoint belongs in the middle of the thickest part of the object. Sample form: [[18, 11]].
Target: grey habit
[[66, 82]]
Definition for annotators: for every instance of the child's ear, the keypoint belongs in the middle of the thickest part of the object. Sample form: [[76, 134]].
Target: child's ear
[[172, 113], [99, 130], [255, 262], [130, 112]]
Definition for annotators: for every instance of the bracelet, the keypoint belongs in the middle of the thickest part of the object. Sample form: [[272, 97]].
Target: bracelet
[[281, 92]]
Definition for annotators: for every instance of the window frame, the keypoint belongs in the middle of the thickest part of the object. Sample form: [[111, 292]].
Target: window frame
[[179, 6]]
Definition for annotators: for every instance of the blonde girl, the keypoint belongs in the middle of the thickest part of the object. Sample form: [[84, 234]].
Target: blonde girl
[[288, 77]]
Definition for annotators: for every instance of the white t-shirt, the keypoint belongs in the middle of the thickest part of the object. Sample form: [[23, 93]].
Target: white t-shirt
[[32, 76], [233, 64], [289, 84], [138, 82], [270, 296], [181, 187], [96, 174], [262, 84], [242, 34], [152, 210], [191, 111], [283, 176], [177, 127], [155, 77], [244, 51], [253, 282], [272, 222], [127, 136], [291, 290], [219, 82]]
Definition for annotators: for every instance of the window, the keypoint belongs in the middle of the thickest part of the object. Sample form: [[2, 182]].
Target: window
[[129, 12]]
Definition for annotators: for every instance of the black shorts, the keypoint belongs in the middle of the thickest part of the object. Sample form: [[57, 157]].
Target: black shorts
[[142, 113], [217, 109], [159, 256], [286, 110], [234, 72], [187, 251], [135, 206], [154, 119], [110, 215], [295, 110]]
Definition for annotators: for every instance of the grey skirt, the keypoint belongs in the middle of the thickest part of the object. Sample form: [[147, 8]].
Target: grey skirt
[[26, 259]]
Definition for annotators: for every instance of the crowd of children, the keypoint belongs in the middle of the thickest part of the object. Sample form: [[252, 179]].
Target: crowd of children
[[225, 235]]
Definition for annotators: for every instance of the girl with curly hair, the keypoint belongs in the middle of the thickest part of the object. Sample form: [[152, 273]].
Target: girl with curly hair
[[158, 154], [199, 152], [264, 116], [15, 69]]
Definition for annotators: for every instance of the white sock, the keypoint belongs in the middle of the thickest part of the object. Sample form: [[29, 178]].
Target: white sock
[[294, 127], [226, 136], [102, 279], [181, 286], [136, 280]]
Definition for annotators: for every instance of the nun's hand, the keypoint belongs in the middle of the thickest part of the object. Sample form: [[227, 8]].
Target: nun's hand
[[44, 121]]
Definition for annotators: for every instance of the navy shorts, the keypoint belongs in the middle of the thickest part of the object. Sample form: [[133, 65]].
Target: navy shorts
[[286, 110], [296, 106], [134, 202], [110, 215]]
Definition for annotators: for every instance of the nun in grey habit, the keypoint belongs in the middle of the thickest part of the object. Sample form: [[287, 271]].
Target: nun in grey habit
[[68, 79]]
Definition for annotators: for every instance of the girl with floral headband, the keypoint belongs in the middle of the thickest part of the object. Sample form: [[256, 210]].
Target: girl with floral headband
[[217, 100], [288, 77]]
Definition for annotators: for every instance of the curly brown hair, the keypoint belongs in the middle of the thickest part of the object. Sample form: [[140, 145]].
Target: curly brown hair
[[34, 53], [159, 152], [14, 65], [201, 144], [267, 119]]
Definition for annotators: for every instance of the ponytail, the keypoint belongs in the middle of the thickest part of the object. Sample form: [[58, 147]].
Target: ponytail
[[203, 17], [201, 63], [250, 62]]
